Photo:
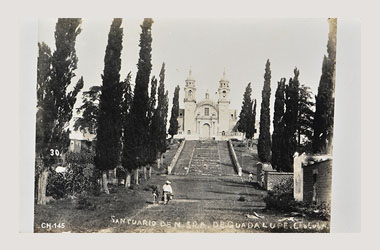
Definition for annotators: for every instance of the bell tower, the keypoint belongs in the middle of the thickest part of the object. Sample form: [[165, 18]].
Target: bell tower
[[223, 105], [189, 127], [190, 89], [224, 89]]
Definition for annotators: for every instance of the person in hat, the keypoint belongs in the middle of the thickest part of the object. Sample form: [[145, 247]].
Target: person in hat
[[167, 192]]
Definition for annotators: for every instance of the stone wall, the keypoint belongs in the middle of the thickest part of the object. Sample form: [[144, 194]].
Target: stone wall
[[235, 161], [176, 156], [317, 182], [272, 178]]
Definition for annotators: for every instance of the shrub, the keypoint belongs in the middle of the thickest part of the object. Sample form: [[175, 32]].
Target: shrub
[[280, 198], [85, 203], [56, 185], [80, 177]]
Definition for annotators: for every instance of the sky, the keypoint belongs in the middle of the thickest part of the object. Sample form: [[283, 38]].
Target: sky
[[241, 47]]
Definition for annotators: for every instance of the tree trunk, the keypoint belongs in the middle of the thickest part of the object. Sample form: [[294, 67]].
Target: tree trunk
[[137, 176], [162, 159], [128, 180], [42, 183], [105, 181], [150, 172], [158, 162], [144, 171]]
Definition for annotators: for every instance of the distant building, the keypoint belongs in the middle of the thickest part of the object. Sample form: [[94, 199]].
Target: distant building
[[207, 119], [80, 141]]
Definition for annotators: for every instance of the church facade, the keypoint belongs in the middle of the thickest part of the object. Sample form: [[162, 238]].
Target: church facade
[[207, 119]]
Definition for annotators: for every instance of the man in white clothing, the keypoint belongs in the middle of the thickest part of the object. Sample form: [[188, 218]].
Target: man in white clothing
[[168, 192]]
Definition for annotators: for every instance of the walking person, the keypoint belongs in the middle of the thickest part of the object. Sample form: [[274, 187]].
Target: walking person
[[167, 192]]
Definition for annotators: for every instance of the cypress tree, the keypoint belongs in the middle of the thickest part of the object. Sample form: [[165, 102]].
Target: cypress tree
[[162, 109], [154, 120], [251, 122], [139, 138], [305, 119], [127, 155], [254, 118], [264, 143], [290, 121], [173, 129], [109, 119], [54, 103], [246, 112], [278, 126], [324, 112]]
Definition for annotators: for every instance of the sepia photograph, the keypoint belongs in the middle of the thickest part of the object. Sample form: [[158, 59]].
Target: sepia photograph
[[164, 125]]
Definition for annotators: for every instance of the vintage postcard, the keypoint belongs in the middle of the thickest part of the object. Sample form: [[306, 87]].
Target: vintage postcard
[[158, 125]]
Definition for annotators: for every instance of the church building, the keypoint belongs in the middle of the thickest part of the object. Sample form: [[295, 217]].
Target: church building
[[207, 119]]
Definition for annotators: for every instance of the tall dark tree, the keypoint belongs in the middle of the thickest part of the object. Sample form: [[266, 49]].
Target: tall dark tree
[[109, 119], [251, 122], [154, 122], [89, 110], [278, 126], [254, 118], [162, 110], [324, 113], [264, 143], [290, 121], [127, 159], [173, 129], [54, 103], [246, 123], [140, 106], [305, 119]]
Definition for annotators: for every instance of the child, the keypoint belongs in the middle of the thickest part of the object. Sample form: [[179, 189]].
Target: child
[[250, 177], [155, 194]]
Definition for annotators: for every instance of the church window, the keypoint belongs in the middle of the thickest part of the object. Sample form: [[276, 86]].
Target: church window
[[224, 93], [232, 115], [188, 132], [207, 111], [223, 133], [190, 93]]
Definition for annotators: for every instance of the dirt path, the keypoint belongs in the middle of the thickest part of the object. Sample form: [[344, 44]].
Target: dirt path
[[200, 204]]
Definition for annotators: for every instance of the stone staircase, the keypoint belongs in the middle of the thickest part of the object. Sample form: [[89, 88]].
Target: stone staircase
[[206, 159], [182, 165]]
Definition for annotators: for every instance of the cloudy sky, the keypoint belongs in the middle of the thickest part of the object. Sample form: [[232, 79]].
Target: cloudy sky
[[208, 46]]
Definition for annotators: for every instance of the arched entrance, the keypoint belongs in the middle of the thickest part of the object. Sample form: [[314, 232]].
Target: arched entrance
[[206, 131]]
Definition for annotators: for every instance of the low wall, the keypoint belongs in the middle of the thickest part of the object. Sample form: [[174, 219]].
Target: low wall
[[176, 156], [235, 161], [272, 178]]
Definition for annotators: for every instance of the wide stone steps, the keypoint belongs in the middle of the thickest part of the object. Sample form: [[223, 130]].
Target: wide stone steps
[[205, 158], [181, 167]]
